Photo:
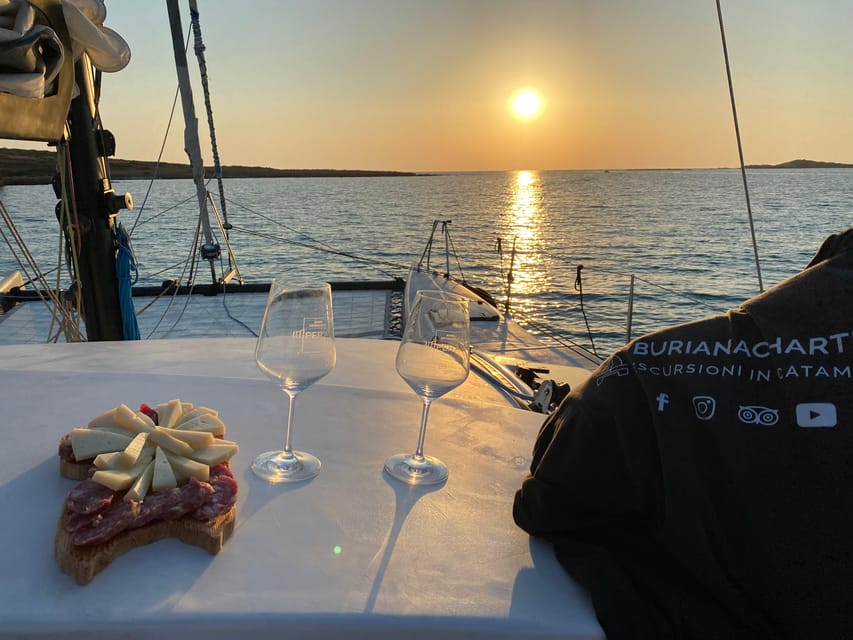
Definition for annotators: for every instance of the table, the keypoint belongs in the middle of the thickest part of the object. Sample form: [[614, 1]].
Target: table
[[351, 553]]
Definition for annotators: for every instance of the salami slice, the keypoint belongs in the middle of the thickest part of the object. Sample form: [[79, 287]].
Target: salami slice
[[72, 521], [89, 497], [174, 503], [164, 505], [107, 524], [222, 499]]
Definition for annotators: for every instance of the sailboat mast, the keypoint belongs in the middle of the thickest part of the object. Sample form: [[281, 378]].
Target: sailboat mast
[[97, 205], [209, 250]]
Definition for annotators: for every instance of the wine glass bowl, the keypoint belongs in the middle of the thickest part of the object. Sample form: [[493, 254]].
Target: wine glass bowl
[[295, 347], [433, 359]]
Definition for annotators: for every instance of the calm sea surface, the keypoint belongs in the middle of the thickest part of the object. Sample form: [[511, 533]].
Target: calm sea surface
[[684, 235]]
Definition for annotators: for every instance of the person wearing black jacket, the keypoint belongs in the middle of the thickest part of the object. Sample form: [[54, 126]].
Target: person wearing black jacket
[[700, 483]]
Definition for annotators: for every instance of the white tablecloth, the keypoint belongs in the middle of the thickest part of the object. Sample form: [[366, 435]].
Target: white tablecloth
[[350, 553]]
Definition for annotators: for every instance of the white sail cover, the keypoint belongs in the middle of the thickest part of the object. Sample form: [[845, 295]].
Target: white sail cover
[[31, 52], [107, 50]]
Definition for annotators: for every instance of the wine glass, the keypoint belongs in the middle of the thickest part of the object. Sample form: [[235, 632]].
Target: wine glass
[[296, 347], [433, 358]]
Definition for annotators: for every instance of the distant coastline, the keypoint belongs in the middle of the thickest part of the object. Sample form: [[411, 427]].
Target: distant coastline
[[27, 166], [802, 164]]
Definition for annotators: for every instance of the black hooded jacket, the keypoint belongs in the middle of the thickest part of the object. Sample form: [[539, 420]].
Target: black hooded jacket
[[700, 483]]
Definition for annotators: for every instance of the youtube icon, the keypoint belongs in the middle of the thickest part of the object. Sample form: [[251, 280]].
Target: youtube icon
[[820, 415]]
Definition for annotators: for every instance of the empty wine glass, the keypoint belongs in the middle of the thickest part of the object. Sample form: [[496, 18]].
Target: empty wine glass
[[433, 358], [296, 347]]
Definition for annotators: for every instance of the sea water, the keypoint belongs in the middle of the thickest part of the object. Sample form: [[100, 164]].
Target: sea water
[[682, 236]]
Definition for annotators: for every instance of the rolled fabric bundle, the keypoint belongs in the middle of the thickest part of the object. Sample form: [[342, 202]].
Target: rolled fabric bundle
[[107, 50], [31, 53]]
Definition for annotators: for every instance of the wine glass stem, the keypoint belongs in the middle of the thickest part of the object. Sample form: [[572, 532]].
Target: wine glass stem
[[419, 452], [287, 454]]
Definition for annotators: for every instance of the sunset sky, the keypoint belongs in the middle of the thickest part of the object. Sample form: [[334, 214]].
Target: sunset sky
[[429, 85]]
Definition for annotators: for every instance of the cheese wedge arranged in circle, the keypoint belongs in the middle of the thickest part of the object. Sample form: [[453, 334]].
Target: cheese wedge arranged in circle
[[119, 479], [169, 413], [215, 454], [140, 487], [132, 453], [87, 443], [203, 422], [194, 439], [164, 477]]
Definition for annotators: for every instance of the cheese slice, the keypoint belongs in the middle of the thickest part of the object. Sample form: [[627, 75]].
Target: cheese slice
[[131, 453], [164, 477], [186, 468], [119, 459], [128, 419], [111, 460], [197, 413], [106, 419], [118, 479], [123, 432], [139, 488], [169, 413], [145, 418], [147, 453], [203, 422], [87, 443], [215, 453], [196, 439], [164, 440]]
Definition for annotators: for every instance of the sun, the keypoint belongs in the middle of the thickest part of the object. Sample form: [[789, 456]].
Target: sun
[[527, 104]]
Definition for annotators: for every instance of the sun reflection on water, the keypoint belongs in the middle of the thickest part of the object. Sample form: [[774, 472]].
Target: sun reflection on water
[[525, 204], [522, 224]]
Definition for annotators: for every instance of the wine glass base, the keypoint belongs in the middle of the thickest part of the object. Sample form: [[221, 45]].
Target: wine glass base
[[406, 468], [274, 467]]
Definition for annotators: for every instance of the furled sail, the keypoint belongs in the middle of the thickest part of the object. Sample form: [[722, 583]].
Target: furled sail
[[39, 42]]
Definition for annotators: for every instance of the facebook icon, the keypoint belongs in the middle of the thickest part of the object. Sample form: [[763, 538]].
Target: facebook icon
[[663, 400]]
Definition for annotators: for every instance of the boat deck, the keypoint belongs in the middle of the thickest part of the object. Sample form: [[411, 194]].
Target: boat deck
[[366, 311], [358, 313]]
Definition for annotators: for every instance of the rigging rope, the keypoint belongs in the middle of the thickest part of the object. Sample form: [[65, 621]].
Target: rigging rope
[[225, 296], [156, 167], [579, 289], [188, 261], [191, 283], [453, 250], [344, 254], [44, 291], [280, 224], [202, 65], [160, 155], [233, 269], [601, 269], [739, 146], [72, 233], [66, 176], [165, 211]]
